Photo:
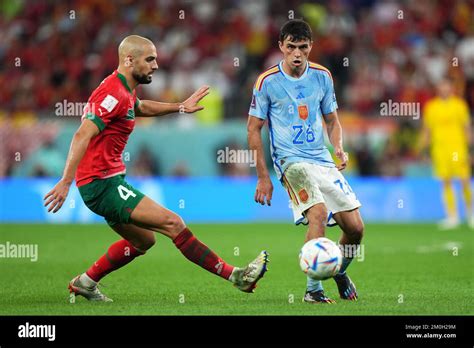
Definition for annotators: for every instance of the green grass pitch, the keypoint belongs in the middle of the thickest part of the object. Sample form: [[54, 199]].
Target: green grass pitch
[[411, 269]]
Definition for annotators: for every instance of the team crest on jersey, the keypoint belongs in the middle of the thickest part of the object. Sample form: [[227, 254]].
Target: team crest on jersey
[[303, 111]]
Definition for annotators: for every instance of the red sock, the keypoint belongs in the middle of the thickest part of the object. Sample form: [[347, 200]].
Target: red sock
[[201, 255], [119, 254]]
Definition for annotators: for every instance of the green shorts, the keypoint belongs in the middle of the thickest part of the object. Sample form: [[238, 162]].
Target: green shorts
[[113, 198]]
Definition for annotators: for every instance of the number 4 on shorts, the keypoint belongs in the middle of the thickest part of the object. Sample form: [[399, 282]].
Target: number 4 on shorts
[[125, 192]]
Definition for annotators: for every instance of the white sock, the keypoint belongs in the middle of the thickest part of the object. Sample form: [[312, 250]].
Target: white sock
[[87, 281], [234, 274]]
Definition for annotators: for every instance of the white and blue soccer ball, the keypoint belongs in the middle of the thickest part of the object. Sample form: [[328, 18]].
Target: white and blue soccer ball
[[320, 258]]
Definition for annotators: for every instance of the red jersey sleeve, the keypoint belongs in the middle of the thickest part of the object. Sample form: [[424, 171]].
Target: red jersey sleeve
[[103, 106]]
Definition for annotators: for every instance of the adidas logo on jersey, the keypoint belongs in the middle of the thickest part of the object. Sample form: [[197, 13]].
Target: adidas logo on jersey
[[300, 96]]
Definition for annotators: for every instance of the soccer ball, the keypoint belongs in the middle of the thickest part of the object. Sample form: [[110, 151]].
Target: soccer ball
[[320, 258]]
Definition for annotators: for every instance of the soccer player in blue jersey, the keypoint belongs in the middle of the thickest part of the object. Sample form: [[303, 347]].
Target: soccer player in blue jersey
[[295, 96]]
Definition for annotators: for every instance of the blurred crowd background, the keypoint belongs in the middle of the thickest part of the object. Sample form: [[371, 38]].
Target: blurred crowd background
[[58, 51]]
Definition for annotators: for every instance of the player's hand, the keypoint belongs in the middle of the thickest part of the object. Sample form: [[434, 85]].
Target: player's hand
[[56, 197], [190, 105], [264, 191], [343, 157]]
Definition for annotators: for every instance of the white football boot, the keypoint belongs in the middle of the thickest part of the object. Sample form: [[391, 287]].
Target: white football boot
[[245, 279], [90, 291]]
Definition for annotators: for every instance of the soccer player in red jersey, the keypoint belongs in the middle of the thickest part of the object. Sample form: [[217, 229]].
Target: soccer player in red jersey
[[95, 160]]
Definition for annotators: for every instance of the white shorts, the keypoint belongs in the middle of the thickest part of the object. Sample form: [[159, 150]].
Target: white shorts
[[309, 184]]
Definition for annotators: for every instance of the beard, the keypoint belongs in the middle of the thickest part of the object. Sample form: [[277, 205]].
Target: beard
[[142, 79]]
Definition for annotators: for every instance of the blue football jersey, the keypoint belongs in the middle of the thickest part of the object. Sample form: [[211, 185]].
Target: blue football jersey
[[294, 108]]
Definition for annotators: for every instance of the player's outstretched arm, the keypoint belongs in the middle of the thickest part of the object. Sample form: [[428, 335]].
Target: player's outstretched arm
[[335, 137], [264, 184], [56, 197], [150, 108]]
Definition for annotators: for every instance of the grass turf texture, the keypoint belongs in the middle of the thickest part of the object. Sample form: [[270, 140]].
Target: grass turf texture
[[408, 269]]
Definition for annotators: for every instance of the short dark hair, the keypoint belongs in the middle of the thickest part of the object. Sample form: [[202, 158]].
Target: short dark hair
[[296, 30]]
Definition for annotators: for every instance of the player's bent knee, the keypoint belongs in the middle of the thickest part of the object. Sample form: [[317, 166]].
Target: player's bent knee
[[356, 231], [174, 225], [143, 243], [147, 243], [359, 230]]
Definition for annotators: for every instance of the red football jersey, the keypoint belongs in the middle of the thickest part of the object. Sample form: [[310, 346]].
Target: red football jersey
[[112, 108]]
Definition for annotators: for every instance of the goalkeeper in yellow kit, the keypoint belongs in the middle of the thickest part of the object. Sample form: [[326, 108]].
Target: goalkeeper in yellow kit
[[447, 127]]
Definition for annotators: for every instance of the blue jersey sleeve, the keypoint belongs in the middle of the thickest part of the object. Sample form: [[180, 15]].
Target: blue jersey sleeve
[[259, 104], [328, 103]]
